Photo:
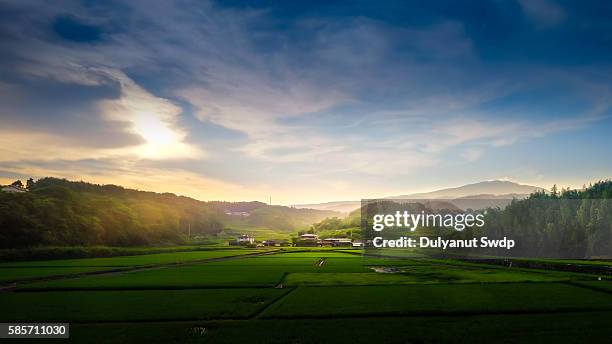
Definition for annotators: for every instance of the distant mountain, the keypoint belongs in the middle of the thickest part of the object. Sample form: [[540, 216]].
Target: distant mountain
[[481, 190], [496, 193]]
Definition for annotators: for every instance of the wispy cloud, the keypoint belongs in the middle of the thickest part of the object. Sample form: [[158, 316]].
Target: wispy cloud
[[544, 12], [151, 118], [343, 100]]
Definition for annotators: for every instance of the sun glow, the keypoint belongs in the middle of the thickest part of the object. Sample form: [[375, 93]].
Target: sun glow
[[153, 119], [154, 131], [162, 141]]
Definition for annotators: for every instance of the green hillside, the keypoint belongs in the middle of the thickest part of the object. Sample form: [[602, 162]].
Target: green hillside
[[61, 212]]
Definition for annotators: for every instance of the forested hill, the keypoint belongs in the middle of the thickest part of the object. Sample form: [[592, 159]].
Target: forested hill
[[560, 223], [61, 212], [556, 223]]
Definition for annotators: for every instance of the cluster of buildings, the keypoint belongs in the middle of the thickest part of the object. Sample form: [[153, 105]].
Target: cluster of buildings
[[249, 240], [307, 239]]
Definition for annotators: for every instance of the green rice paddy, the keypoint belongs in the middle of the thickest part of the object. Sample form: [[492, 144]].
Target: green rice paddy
[[286, 295]]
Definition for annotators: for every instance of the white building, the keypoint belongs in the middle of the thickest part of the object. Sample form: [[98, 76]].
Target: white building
[[237, 213], [246, 239], [12, 188], [309, 237]]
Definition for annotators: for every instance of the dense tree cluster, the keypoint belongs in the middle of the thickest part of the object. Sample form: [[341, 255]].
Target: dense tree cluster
[[348, 226], [566, 223]]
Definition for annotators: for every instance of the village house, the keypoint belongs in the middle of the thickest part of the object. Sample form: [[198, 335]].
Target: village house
[[335, 242], [308, 239], [243, 240], [237, 213], [12, 188], [275, 243], [246, 239]]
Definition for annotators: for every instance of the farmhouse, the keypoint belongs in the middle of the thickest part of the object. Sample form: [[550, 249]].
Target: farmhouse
[[12, 188], [243, 240], [275, 243], [246, 239], [308, 239], [335, 242], [237, 213]]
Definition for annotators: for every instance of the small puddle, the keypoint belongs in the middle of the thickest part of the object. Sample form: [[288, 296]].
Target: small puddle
[[386, 269]]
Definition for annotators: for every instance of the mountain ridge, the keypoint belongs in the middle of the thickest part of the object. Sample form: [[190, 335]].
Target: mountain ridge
[[485, 190]]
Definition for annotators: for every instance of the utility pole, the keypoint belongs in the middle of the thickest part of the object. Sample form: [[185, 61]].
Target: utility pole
[[270, 200], [189, 231]]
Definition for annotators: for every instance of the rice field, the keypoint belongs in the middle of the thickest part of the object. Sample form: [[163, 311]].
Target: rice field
[[234, 292], [16, 271]]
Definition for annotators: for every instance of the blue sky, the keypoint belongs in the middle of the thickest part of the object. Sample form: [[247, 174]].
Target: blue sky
[[306, 101]]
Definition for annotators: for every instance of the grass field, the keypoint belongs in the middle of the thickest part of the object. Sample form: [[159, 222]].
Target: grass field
[[26, 270], [163, 278], [597, 285], [16, 274], [134, 305], [437, 299], [139, 260], [307, 296]]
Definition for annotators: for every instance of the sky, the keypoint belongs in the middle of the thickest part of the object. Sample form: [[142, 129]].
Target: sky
[[305, 101]]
